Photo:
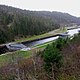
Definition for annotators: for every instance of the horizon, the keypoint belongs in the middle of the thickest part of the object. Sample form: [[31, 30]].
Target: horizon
[[70, 7]]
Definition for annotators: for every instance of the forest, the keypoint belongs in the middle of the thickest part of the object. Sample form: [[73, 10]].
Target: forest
[[13, 26], [54, 60], [17, 23]]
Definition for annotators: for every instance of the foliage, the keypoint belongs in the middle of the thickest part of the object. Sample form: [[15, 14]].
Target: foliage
[[15, 25], [52, 55], [61, 42], [76, 38]]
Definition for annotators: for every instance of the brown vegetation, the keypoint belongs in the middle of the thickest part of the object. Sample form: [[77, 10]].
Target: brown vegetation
[[32, 68], [71, 68]]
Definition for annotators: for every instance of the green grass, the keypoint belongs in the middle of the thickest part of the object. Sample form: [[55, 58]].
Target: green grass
[[8, 57], [33, 37], [54, 32], [42, 45]]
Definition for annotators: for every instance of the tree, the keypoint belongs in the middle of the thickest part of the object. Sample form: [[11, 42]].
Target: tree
[[60, 42], [52, 58]]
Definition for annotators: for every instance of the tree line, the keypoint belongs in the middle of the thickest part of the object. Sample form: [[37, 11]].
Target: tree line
[[18, 26], [18, 23]]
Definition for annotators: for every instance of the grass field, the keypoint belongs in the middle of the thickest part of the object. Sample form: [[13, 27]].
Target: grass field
[[51, 33], [8, 57]]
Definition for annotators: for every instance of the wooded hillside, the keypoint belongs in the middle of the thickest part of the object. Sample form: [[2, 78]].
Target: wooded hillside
[[18, 23]]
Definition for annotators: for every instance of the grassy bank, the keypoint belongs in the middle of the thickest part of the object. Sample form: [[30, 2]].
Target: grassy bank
[[10, 56], [51, 33], [7, 57], [70, 69]]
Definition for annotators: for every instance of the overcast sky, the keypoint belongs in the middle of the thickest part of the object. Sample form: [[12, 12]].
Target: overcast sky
[[69, 6]]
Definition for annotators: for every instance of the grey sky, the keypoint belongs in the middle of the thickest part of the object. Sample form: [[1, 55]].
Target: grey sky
[[69, 6]]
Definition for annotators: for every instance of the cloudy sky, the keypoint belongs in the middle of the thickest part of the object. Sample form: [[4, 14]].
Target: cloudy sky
[[69, 6]]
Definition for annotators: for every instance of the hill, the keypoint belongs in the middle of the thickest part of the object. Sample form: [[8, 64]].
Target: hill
[[16, 23], [58, 17], [61, 18]]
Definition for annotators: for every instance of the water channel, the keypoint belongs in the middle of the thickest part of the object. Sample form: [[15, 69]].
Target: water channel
[[70, 32], [41, 41]]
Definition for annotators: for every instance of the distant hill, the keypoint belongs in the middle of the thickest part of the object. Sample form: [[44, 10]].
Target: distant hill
[[17, 23], [58, 17]]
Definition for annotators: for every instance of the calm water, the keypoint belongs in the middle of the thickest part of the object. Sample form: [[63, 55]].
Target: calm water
[[70, 32], [29, 45], [73, 31], [41, 41]]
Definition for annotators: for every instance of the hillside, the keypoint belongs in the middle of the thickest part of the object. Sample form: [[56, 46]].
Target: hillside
[[17, 23], [58, 17], [65, 52]]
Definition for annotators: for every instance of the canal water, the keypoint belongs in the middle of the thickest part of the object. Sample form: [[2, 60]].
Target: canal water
[[70, 32], [41, 41], [73, 31], [34, 43]]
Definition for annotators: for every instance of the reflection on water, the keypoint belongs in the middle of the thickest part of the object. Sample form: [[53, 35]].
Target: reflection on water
[[41, 41], [29, 45], [73, 31], [70, 32]]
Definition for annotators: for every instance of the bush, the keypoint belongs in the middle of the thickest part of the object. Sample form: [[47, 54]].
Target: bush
[[52, 57]]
